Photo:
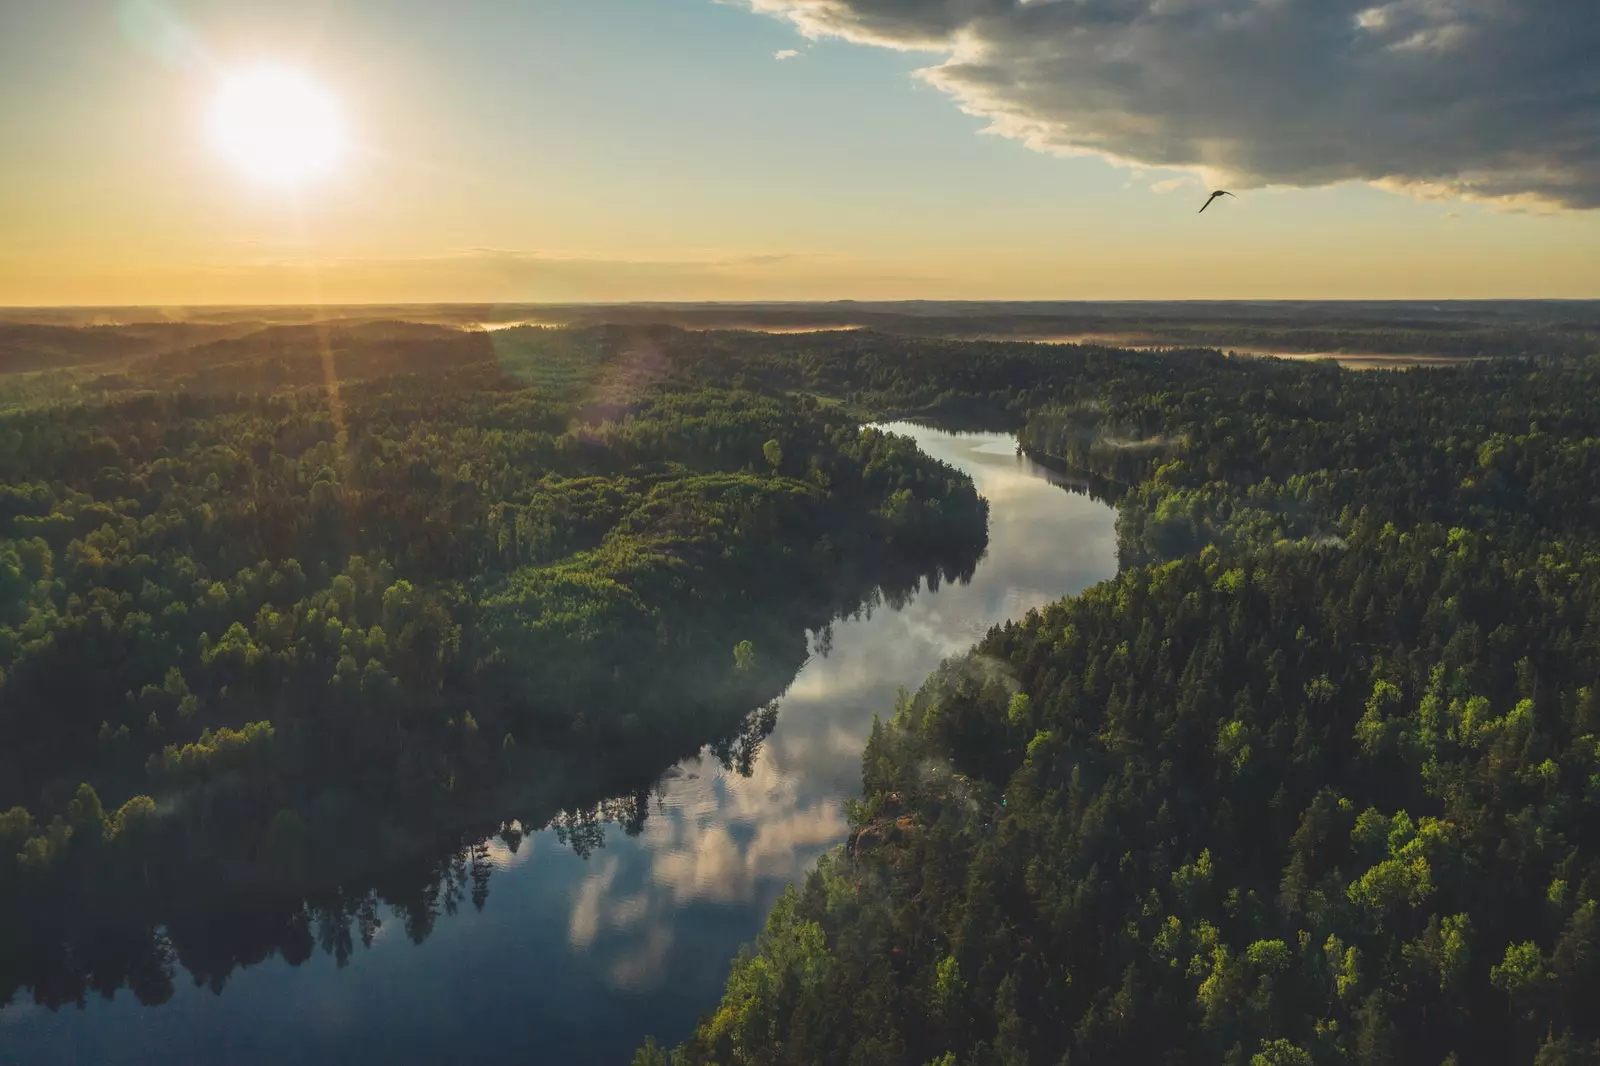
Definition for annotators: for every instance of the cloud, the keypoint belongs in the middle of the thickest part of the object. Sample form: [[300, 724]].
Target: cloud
[[1485, 99], [1174, 184], [584, 923], [785, 53]]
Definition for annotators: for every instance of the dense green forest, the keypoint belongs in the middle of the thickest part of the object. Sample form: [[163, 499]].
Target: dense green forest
[[314, 610], [261, 637], [1314, 780]]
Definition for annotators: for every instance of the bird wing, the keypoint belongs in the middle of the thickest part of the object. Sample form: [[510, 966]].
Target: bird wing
[[1207, 204]]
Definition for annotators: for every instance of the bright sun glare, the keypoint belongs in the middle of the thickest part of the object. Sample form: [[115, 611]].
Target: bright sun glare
[[277, 125]]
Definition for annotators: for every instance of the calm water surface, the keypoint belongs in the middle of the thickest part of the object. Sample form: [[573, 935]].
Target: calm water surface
[[574, 960]]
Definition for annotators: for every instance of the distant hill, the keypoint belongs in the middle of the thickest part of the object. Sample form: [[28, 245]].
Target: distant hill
[[208, 348], [26, 346], [281, 357], [1455, 329]]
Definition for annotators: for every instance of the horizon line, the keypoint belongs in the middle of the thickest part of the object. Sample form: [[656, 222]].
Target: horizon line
[[244, 306]]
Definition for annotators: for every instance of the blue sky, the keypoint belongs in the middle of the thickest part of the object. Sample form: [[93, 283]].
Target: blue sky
[[651, 149]]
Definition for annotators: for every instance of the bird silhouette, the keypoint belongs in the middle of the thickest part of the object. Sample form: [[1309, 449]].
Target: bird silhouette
[[1219, 192]]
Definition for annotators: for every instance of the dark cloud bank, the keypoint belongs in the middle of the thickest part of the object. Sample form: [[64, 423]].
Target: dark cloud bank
[[1495, 99]]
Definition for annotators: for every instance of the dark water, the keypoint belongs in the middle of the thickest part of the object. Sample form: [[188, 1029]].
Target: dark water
[[574, 960]]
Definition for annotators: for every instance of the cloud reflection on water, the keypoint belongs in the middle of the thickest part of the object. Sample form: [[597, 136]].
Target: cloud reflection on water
[[593, 953], [721, 841]]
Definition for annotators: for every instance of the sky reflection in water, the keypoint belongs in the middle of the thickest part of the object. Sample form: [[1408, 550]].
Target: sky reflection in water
[[574, 960]]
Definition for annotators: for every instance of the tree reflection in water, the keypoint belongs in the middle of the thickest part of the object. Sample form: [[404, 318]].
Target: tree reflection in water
[[74, 947], [594, 953]]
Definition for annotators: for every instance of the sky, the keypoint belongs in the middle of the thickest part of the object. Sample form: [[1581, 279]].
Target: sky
[[605, 150]]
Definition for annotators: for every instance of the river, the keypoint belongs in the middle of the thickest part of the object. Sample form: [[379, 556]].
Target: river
[[574, 959]]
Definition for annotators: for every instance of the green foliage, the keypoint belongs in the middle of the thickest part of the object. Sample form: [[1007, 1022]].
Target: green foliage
[[789, 965], [947, 984], [651, 1054], [224, 751], [1315, 779], [1521, 974], [135, 819], [85, 813], [294, 636], [1280, 1052], [1020, 710]]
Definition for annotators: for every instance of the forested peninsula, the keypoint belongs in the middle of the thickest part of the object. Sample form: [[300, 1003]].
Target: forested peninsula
[[288, 612]]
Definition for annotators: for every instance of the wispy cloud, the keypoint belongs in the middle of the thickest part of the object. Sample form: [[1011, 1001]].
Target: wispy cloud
[[785, 53], [1476, 99], [1171, 185]]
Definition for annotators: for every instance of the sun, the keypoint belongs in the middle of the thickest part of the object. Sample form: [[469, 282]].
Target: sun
[[277, 125]]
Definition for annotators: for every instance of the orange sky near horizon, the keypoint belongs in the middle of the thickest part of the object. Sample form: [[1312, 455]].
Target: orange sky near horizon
[[645, 150]]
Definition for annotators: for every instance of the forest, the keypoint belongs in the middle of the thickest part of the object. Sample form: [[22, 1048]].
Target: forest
[[1314, 780], [269, 634], [1453, 329]]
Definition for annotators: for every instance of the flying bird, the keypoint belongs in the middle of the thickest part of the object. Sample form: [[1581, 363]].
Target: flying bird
[[1213, 196]]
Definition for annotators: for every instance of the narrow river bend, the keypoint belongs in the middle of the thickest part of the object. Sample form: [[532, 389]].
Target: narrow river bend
[[573, 959]]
